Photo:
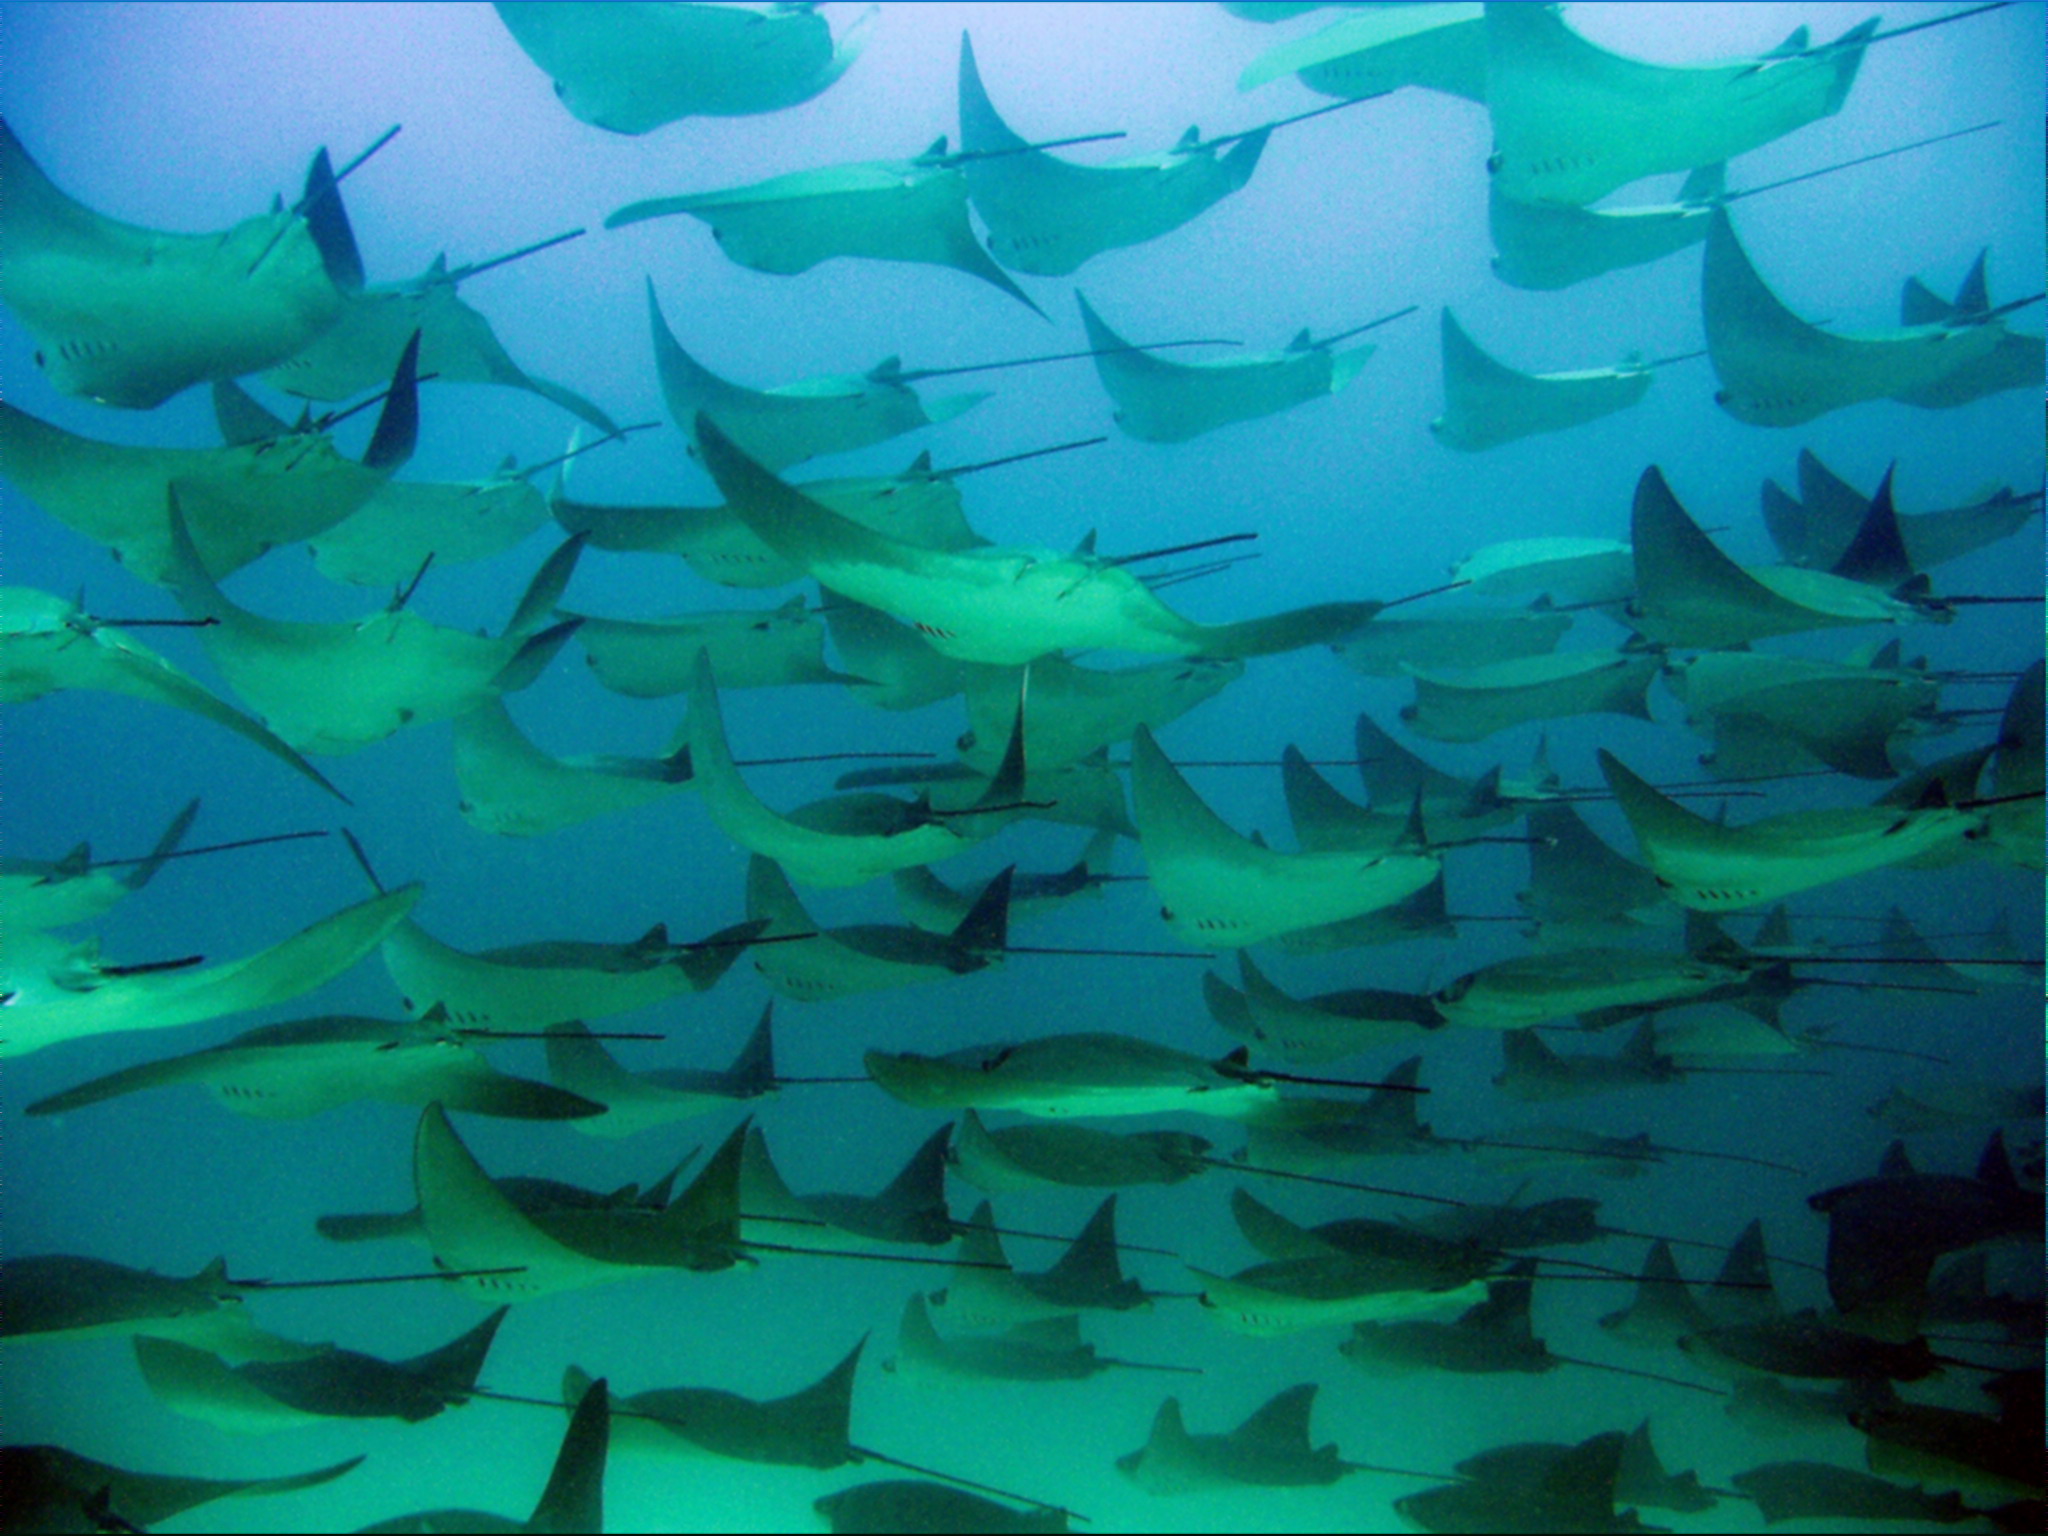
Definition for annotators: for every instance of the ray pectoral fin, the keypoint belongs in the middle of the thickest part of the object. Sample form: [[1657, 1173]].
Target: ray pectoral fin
[[532, 658], [398, 424], [1320, 624]]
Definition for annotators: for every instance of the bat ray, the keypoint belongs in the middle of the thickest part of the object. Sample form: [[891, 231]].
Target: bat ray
[[897, 668], [996, 605], [1046, 216], [1471, 706], [1072, 712], [832, 413], [36, 894], [632, 71], [1843, 714], [1534, 1073], [48, 645], [1050, 1349], [1776, 370], [262, 1396], [929, 903], [471, 1223], [1689, 594], [52, 1489], [66, 993], [1487, 403], [2014, 364], [56, 1296], [985, 1293], [1816, 528], [1284, 1296], [639, 1101], [911, 1209], [851, 839], [128, 316], [1591, 571], [1270, 1449], [885, 210], [1158, 401], [512, 788], [337, 687], [1708, 867], [1572, 121], [1311, 1030], [865, 957], [1220, 888], [1438, 47], [1014, 1158], [530, 986], [456, 343], [572, 1501], [1885, 1234], [1561, 1489], [1468, 638], [904, 1504], [1055, 1076], [1819, 1490], [309, 1066], [268, 485], [749, 648]]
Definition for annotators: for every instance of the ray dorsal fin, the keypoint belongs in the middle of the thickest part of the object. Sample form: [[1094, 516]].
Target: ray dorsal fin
[[822, 1413], [1090, 1263], [1877, 555], [753, 1070], [1896, 1163], [1747, 1270], [574, 1497], [1189, 139], [1505, 1312], [1974, 297], [1921, 305], [1994, 1167], [1281, 1422], [1169, 1438], [1302, 341], [1707, 184]]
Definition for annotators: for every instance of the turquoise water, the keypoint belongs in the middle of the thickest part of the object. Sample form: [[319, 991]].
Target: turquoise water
[[189, 117]]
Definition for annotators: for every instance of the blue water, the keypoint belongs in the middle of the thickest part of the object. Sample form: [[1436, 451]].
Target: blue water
[[190, 116]]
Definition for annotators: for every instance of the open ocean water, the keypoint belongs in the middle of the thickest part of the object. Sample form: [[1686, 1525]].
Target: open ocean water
[[190, 116]]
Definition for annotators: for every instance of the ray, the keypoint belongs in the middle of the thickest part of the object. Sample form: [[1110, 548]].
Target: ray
[[906, 1504], [912, 210], [1708, 867], [1591, 572], [1577, 882], [338, 687], [1280, 1239], [405, 523], [52, 1489], [749, 648], [572, 1500], [1002, 606], [929, 903], [2017, 771], [866, 957], [1487, 403], [1046, 216], [1523, 991], [1803, 1345], [639, 1101], [1311, 1030], [1072, 712], [456, 342], [1689, 594], [36, 894], [1306, 1134], [1533, 1073], [1286, 1296], [310, 1066], [634, 71], [128, 316], [262, 1396], [2012, 364], [65, 992], [1819, 1490], [274, 484], [1050, 1349], [1954, 1105], [985, 1293], [1777, 370], [786, 425], [1158, 401], [1270, 1449], [1034, 1156], [52, 1297], [512, 788], [1998, 1455], [1573, 121], [910, 1209], [1055, 1076], [1535, 1488], [1817, 528], [1221, 888], [1489, 699], [551, 981], [1472, 638], [1438, 47]]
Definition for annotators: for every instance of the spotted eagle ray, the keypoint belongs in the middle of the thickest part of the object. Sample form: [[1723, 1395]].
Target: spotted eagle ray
[[129, 316], [912, 210], [633, 71], [1573, 121], [572, 1501], [1816, 528], [265, 1395], [48, 645], [67, 993], [1271, 1449], [1158, 401], [1221, 888], [52, 1489], [338, 687], [1440, 47], [996, 605], [270, 484], [639, 1101], [55, 893], [309, 1066]]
